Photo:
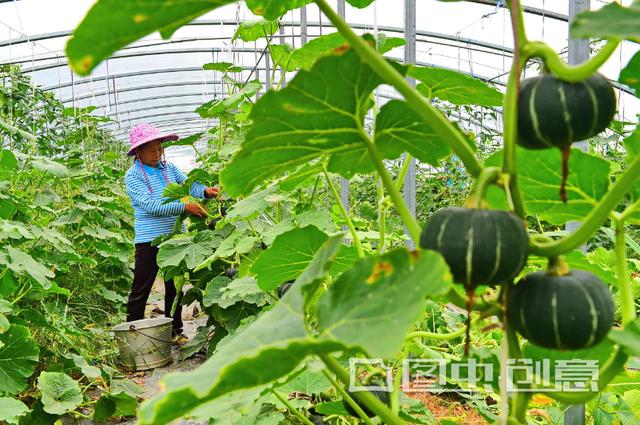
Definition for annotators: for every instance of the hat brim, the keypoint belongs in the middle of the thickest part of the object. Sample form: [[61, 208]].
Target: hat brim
[[161, 138]]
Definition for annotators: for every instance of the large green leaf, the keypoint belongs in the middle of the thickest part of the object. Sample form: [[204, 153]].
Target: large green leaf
[[49, 166], [250, 206], [8, 162], [221, 66], [112, 24], [289, 255], [454, 87], [319, 113], [217, 107], [613, 20], [18, 359], [630, 74], [267, 349], [254, 30], [11, 410], [226, 292], [190, 249], [22, 263], [540, 176], [376, 302], [60, 393], [273, 9], [400, 129], [628, 338], [306, 56]]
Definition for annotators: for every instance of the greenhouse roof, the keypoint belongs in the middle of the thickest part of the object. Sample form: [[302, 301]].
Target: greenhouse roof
[[162, 81]]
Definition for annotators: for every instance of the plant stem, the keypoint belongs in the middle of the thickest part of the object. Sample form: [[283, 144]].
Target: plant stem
[[539, 49], [382, 216], [345, 214], [458, 300], [488, 176], [409, 220], [403, 171], [624, 286], [365, 397], [594, 220], [434, 335], [510, 109], [441, 125], [348, 398], [292, 409]]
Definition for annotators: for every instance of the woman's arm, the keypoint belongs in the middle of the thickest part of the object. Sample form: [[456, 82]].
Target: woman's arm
[[141, 198]]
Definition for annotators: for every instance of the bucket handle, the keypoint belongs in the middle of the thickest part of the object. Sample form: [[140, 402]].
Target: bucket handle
[[132, 328]]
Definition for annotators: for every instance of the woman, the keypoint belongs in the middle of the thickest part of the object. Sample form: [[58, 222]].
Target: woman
[[145, 182]]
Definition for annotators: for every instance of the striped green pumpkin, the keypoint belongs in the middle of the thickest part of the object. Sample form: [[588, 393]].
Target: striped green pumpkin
[[480, 246], [556, 113], [569, 312]]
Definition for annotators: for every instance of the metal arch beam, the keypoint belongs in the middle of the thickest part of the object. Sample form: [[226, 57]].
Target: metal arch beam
[[131, 74], [151, 108], [160, 115], [147, 99], [140, 54], [57, 34], [148, 87], [125, 75]]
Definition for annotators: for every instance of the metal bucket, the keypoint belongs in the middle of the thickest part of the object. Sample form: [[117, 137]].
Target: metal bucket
[[144, 344]]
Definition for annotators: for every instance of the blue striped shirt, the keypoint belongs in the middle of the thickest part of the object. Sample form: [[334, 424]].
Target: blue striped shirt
[[152, 217]]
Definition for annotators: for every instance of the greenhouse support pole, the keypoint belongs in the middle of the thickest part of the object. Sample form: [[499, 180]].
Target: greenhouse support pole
[[344, 183], [409, 191], [579, 51], [303, 25]]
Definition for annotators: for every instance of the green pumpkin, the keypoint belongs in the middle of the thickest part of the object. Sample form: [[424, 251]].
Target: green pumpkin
[[556, 113], [480, 246], [568, 312]]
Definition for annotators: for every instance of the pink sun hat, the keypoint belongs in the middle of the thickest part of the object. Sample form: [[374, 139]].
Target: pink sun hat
[[145, 133]]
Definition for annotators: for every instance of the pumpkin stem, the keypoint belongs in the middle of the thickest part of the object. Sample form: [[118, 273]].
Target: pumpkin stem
[[487, 177], [566, 152], [467, 342], [557, 267]]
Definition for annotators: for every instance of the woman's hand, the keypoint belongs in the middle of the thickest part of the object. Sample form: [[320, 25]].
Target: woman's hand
[[195, 209], [211, 192]]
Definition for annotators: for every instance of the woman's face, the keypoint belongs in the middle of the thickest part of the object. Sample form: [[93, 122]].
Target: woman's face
[[151, 153]]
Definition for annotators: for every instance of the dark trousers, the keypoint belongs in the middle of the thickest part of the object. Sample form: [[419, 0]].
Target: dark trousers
[[144, 274]]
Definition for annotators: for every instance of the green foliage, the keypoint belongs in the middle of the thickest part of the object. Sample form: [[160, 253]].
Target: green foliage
[[254, 30], [11, 410], [613, 20], [540, 178], [375, 325], [454, 87], [110, 25], [18, 359], [60, 393], [290, 253]]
